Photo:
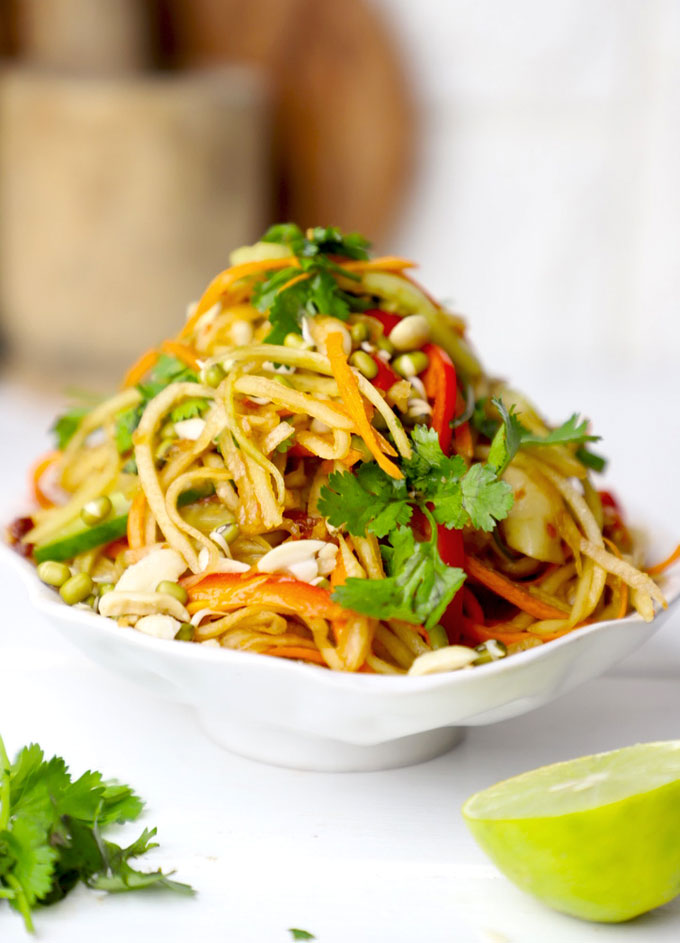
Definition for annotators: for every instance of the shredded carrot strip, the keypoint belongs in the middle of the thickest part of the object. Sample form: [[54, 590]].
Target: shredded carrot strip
[[339, 574], [482, 633], [136, 521], [37, 471], [139, 368], [302, 277], [660, 567], [513, 592], [390, 263], [182, 352], [623, 605], [292, 651], [349, 392], [222, 282], [351, 458]]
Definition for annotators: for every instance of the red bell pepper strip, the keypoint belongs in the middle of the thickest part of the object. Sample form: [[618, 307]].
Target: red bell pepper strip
[[228, 591], [389, 321], [385, 377], [299, 451], [441, 387], [608, 500], [452, 552]]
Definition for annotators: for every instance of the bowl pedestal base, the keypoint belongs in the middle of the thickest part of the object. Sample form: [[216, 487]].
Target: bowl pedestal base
[[299, 751]]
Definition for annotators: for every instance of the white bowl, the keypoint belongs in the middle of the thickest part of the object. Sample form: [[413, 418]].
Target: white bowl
[[306, 717]]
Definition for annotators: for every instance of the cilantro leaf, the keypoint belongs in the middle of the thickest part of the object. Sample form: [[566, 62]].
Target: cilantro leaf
[[189, 408], [287, 443], [66, 425], [511, 435], [286, 299], [328, 240], [286, 233], [266, 292], [507, 440], [285, 313], [118, 875], [126, 423], [459, 496], [419, 585], [418, 589], [570, 431], [300, 934], [371, 501], [485, 498], [165, 371], [50, 833], [33, 857]]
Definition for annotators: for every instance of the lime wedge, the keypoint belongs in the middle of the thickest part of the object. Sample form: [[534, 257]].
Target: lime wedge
[[597, 837]]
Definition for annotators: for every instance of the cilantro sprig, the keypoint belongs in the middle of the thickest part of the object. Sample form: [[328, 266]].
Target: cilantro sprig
[[297, 934], [66, 425], [166, 370], [374, 502], [51, 833], [512, 435], [286, 297], [419, 585]]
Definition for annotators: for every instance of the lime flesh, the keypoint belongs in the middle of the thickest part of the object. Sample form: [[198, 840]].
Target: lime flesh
[[597, 837]]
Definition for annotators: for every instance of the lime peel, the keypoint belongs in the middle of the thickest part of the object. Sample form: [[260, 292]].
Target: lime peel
[[596, 837]]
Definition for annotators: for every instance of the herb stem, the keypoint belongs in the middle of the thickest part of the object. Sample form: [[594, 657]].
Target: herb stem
[[4, 787], [22, 903]]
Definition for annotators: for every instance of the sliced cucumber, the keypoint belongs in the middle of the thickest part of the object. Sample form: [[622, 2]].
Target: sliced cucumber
[[76, 537]]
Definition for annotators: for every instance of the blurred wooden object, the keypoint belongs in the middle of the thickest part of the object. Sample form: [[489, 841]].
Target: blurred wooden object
[[343, 118], [121, 191], [120, 200], [91, 36]]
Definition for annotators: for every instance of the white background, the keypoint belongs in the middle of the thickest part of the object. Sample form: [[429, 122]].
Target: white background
[[547, 201]]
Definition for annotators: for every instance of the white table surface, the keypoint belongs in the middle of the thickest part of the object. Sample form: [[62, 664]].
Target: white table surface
[[349, 857]]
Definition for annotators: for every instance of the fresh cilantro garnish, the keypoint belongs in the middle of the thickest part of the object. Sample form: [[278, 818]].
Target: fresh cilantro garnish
[[511, 435], [66, 425], [370, 501], [126, 423], [309, 287], [321, 239], [459, 496], [300, 934], [51, 833], [166, 370], [419, 585], [591, 459], [189, 409], [287, 443]]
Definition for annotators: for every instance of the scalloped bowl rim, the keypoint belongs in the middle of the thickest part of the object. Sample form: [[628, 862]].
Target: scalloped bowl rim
[[45, 601]]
